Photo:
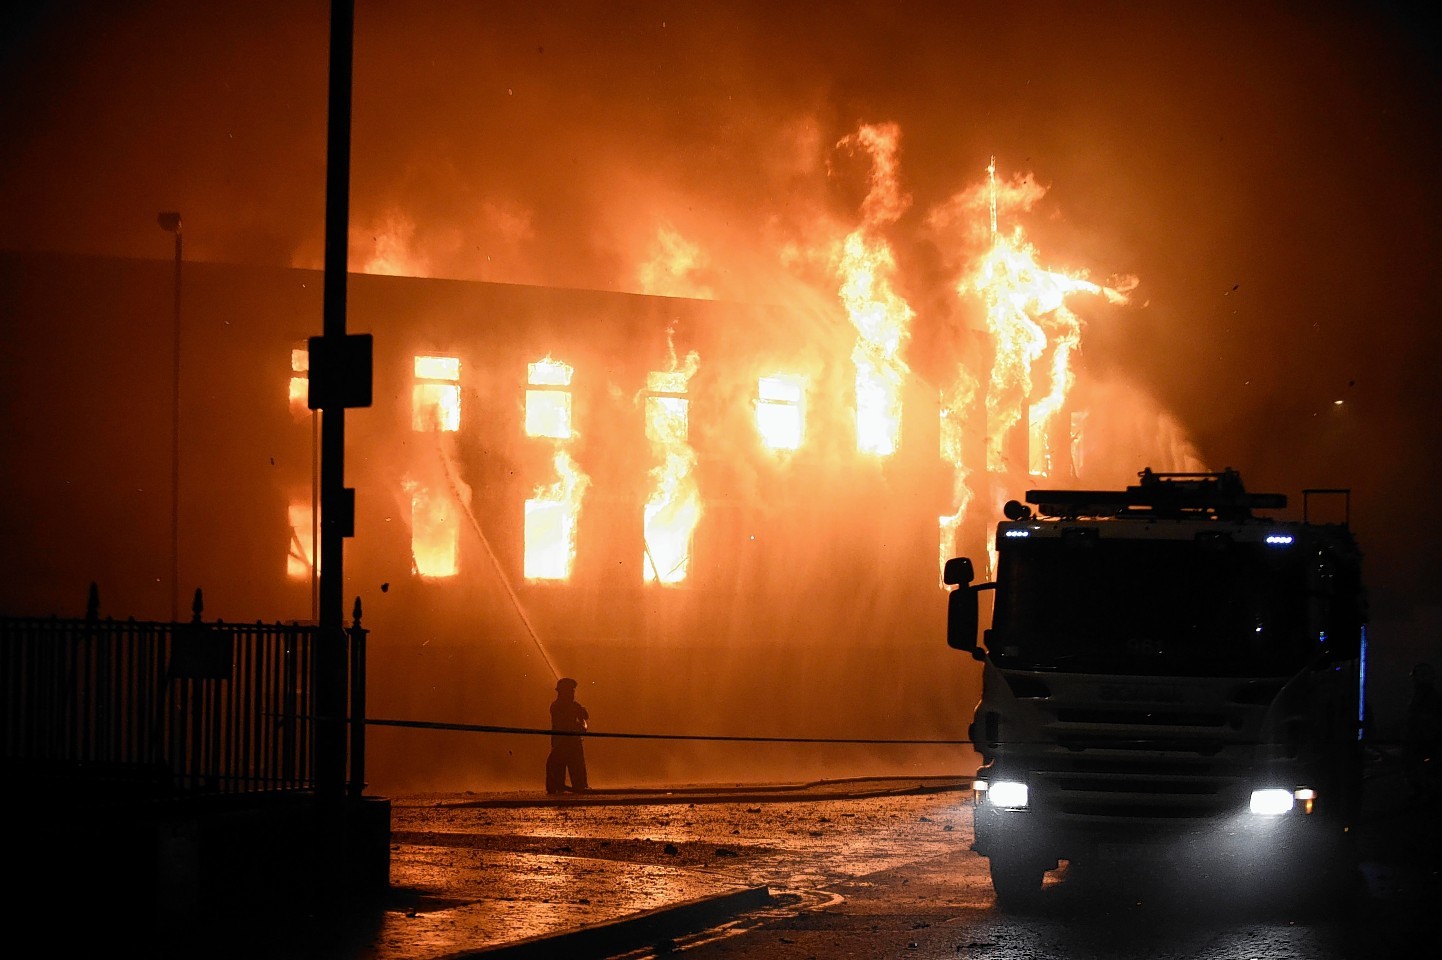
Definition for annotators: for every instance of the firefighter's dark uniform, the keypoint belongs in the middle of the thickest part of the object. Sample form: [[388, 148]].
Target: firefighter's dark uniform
[[567, 754]]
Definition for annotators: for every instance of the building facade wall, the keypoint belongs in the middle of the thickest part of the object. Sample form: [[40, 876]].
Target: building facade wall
[[811, 605]]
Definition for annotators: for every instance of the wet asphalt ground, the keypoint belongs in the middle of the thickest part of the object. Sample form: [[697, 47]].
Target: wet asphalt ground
[[530, 875], [724, 871]]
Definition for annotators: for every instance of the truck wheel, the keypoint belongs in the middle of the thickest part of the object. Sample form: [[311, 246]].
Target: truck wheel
[[1017, 882]]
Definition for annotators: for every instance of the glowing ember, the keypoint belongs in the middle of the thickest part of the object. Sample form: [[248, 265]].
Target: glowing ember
[[674, 508], [548, 401], [436, 396], [779, 414], [551, 518], [880, 316]]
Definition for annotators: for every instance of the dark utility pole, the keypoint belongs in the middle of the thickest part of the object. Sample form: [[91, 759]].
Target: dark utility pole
[[340, 377]]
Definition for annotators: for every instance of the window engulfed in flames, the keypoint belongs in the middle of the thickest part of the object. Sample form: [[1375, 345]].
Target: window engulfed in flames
[[435, 532], [436, 397], [435, 516], [1033, 334], [881, 319], [300, 382], [780, 418], [674, 508], [552, 514], [881, 316], [548, 400], [551, 517], [302, 540]]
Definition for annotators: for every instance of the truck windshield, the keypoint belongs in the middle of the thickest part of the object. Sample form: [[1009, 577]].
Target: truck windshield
[[1150, 607]]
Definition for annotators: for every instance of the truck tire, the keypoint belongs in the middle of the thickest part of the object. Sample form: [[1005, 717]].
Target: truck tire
[[1017, 881]]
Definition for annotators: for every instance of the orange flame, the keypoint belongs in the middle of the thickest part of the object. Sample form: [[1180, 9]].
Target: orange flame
[[302, 540], [674, 508], [1027, 316], [954, 408], [552, 515], [300, 382], [548, 401], [551, 518], [672, 268], [1033, 333], [881, 319], [436, 396], [880, 316], [435, 532]]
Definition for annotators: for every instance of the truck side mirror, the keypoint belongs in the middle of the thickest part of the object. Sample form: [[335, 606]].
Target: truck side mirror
[[961, 606], [961, 617], [958, 572]]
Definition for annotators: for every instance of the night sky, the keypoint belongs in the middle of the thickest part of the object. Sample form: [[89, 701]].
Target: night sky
[[1265, 172]]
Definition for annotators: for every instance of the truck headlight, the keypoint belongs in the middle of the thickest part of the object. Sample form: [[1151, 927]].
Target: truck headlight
[[1008, 794], [1271, 801]]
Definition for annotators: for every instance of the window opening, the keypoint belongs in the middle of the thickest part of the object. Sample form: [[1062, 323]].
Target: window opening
[[674, 506], [436, 396], [435, 533], [298, 563], [550, 522], [779, 414], [548, 400]]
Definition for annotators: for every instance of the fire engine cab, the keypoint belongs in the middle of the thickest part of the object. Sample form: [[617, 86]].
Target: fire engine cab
[[1166, 673]]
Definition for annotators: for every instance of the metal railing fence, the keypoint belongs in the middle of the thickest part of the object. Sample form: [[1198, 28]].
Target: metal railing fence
[[163, 709]]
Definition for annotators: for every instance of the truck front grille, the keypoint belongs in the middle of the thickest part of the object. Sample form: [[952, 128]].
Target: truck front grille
[[1105, 763]]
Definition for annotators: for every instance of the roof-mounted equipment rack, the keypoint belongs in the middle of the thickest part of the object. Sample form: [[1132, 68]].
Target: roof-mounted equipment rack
[[1218, 495]]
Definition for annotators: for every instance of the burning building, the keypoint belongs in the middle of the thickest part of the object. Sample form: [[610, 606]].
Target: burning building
[[661, 497], [726, 520]]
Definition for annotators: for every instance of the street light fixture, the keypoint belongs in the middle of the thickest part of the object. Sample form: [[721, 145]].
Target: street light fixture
[[170, 222]]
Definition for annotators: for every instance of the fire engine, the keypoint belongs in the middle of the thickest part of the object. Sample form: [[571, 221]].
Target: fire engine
[[1166, 673]]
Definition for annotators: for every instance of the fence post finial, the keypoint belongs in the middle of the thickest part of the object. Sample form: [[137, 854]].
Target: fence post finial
[[356, 613], [197, 605]]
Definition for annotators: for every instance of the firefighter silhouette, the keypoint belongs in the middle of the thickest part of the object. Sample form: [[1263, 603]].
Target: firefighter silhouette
[[568, 756]]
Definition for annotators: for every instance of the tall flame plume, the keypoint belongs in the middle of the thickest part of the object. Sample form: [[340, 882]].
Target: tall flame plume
[[674, 507], [882, 318]]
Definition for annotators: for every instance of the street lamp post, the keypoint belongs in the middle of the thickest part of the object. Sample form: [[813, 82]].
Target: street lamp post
[[170, 223]]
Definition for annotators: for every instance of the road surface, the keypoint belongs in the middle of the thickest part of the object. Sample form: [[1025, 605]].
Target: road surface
[[894, 876]]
